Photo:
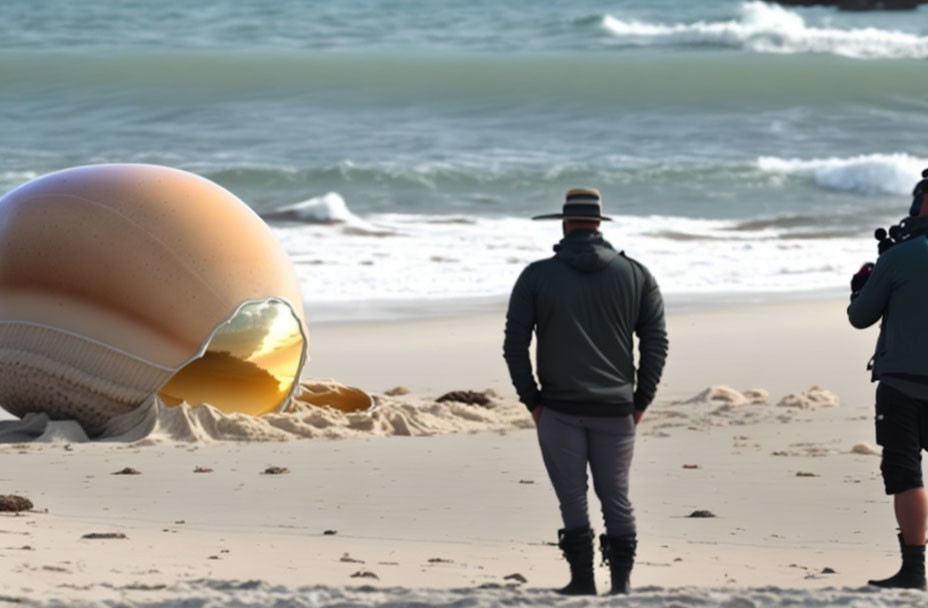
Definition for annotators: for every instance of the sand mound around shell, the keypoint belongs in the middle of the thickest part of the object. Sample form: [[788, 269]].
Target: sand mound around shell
[[320, 409], [328, 409]]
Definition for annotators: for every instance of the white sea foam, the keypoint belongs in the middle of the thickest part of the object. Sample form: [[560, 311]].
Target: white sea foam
[[768, 28], [868, 174], [248, 593], [11, 179], [18, 175], [433, 259]]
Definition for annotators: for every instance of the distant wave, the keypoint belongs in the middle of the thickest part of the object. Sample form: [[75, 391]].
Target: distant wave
[[767, 28], [326, 209], [9, 179], [488, 188], [868, 174], [17, 175], [329, 209]]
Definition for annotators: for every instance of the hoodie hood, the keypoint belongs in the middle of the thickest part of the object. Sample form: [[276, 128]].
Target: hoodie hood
[[585, 250]]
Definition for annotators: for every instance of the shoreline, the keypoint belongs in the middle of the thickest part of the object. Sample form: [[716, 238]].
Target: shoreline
[[768, 343], [383, 311]]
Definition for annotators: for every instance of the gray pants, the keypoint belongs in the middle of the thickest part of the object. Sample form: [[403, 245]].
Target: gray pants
[[568, 443]]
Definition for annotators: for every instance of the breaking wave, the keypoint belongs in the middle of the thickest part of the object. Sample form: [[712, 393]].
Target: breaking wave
[[867, 174], [767, 28], [328, 209]]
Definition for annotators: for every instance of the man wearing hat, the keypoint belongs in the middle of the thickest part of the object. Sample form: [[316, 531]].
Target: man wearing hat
[[584, 304]]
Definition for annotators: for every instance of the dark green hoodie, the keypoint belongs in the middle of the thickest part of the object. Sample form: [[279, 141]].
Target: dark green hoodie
[[584, 304], [897, 294]]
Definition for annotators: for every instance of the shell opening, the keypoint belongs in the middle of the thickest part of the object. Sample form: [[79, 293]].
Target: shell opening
[[250, 364]]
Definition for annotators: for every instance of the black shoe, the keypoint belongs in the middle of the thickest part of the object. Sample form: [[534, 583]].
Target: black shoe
[[619, 554], [912, 573], [577, 546]]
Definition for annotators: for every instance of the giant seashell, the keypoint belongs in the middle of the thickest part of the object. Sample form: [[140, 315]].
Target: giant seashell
[[115, 277]]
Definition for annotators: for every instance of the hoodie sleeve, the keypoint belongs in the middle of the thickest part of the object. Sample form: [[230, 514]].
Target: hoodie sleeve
[[520, 322], [867, 308], [652, 343]]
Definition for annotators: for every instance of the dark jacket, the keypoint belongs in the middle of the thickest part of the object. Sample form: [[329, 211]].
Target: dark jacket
[[584, 305], [897, 293]]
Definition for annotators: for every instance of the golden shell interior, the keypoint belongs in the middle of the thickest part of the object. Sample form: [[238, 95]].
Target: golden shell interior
[[250, 365]]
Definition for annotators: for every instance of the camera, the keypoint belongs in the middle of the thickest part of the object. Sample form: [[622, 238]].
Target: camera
[[914, 225], [886, 238]]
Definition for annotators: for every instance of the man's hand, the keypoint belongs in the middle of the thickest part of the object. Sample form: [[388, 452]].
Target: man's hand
[[536, 414], [638, 415], [860, 279]]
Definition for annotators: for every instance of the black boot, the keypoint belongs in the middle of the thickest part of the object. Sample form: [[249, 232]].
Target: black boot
[[912, 573], [619, 554], [577, 546]]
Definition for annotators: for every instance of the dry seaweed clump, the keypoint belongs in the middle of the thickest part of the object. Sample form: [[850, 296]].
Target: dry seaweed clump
[[12, 503], [466, 397], [365, 574], [127, 471], [276, 471], [105, 536]]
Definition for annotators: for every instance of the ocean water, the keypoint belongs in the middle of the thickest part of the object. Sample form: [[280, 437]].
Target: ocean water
[[399, 147]]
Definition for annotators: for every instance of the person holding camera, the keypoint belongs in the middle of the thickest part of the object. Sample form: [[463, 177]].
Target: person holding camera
[[584, 305], [895, 290]]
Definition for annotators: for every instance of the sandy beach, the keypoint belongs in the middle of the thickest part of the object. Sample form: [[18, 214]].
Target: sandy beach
[[379, 166], [799, 514]]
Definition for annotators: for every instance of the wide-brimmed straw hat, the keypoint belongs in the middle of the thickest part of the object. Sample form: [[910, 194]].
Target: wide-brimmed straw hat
[[579, 204]]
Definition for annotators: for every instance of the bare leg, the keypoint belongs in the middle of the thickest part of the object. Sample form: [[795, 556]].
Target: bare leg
[[912, 514]]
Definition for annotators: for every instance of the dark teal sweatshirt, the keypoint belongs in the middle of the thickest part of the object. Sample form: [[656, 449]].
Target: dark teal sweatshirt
[[897, 293], [584, 305]]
